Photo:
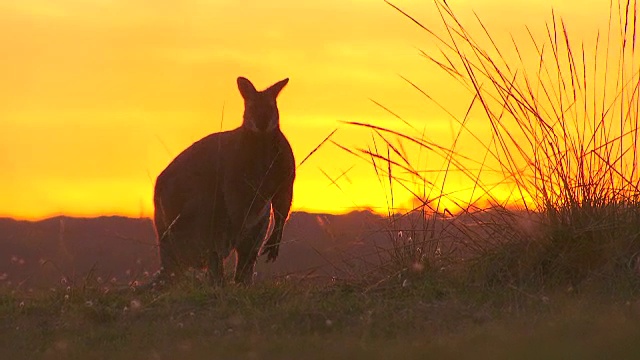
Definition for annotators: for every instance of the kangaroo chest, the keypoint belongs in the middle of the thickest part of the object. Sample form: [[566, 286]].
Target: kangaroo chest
[[254, 170], [253, 174], [259, 166]]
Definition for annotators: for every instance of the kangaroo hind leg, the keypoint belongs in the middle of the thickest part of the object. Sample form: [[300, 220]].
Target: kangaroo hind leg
[[247, 251]]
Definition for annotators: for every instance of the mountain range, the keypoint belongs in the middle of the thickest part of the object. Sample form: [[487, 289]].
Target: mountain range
[[119, 249]]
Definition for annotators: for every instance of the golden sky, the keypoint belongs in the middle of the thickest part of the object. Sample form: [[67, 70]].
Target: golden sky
[[97, 96]]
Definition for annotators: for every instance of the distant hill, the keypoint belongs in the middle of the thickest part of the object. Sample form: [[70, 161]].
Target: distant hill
[[42, 253]]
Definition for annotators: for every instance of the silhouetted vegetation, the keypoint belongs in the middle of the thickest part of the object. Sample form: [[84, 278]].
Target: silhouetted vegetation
[[563, 136]]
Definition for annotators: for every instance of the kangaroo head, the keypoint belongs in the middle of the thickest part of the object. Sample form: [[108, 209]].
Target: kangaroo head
[[260, 108]]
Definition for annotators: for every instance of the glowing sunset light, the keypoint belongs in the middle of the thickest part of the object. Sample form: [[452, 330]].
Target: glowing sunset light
[[98, 96]]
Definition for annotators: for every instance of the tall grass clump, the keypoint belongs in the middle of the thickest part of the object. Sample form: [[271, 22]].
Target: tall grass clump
[[562, 133]]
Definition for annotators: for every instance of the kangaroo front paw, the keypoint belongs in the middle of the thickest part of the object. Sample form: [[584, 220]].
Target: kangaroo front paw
[[271, 250]]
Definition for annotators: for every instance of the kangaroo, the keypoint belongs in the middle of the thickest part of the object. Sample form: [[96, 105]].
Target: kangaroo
[[223, 192]]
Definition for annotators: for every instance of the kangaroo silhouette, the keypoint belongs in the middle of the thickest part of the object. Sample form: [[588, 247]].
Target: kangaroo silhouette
[[223, 192]]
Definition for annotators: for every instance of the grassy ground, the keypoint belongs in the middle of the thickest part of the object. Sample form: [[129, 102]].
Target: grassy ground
[[293, 321]]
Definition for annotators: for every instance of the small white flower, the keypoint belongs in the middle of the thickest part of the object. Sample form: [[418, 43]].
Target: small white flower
[[135, 304]]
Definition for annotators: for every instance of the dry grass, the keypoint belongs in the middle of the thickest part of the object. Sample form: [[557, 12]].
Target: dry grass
[[563, 131]]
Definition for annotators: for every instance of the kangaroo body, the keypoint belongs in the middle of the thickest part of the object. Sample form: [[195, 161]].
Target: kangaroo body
[[222, 192]]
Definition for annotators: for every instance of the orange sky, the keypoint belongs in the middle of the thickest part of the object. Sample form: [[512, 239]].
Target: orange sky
[[97, 96]]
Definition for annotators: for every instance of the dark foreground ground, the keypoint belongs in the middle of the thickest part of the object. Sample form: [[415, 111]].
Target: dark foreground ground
[[64, 294], [292, 320]]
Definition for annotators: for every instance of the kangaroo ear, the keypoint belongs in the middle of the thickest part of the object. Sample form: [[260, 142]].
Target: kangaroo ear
[[275, 89], [247, 90]]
